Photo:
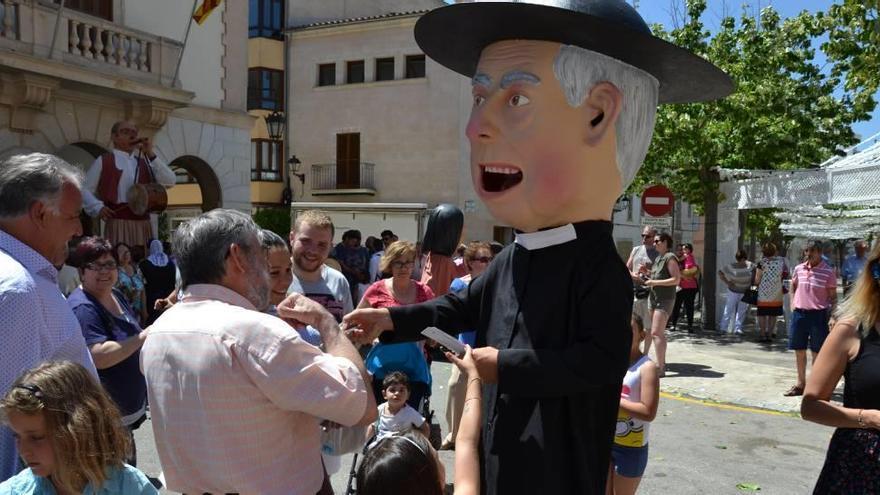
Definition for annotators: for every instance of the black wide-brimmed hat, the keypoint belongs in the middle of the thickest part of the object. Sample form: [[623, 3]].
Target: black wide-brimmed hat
[[455, 35]]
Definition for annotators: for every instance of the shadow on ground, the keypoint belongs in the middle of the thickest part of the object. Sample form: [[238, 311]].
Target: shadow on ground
[[691, 370]]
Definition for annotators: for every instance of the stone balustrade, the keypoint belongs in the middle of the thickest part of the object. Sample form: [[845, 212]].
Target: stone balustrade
[[9, 19], [28, 27]]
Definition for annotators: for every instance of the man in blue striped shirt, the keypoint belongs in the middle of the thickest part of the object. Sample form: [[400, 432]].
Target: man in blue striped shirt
[[40, 201]]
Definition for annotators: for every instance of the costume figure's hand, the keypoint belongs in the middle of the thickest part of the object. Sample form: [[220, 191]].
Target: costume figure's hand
[[105, 213], [299, 311], [364, 325], [486, 361], [466, 363]]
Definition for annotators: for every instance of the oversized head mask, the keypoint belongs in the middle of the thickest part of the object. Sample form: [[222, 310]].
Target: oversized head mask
[[564, 98]]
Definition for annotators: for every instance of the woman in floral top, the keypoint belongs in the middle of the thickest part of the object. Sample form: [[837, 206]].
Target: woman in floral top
[[131, 281], [769, 275]]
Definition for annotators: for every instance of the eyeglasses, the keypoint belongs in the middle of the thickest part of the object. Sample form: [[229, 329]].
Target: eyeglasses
[[484, 259], [101, 267], [402, 264]]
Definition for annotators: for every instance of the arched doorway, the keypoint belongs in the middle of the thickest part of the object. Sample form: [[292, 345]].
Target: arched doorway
[[81, 155], [193, 170]]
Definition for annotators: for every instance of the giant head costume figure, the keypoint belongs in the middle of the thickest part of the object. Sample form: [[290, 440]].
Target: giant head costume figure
[[564, 99]]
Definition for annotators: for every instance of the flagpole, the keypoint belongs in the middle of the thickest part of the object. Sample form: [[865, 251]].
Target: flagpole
[[185, 38], [57, 24]]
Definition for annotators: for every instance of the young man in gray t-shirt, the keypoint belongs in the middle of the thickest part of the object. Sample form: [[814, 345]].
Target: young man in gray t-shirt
[[310, 241]]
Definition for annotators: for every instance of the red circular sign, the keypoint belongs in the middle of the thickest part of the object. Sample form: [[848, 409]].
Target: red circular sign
[[657, 201]]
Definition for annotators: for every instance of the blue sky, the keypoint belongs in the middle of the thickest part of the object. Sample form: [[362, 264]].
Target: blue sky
[[660, 11]]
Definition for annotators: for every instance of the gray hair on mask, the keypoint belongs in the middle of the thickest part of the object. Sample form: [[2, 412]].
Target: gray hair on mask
[[202, 244], [26, 179], [579, 69]]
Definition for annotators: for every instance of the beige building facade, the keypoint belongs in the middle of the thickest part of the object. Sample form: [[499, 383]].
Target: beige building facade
[[374, 120], [67, 74]]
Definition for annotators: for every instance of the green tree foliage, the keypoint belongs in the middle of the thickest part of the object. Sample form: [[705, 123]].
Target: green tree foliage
[[787, 111], [275, 219]]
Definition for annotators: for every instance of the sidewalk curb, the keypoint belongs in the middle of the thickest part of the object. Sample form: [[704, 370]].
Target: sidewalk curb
[[676, 393]]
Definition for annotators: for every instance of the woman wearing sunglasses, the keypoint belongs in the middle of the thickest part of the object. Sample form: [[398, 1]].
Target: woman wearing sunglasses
[[665, 276]]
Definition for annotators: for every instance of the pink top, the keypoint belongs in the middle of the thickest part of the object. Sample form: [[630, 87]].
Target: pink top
[[688, 282], [810, 285], [236, 397], [378, 296]]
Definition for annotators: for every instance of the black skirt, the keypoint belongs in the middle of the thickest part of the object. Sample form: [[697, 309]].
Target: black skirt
[[852, 465]]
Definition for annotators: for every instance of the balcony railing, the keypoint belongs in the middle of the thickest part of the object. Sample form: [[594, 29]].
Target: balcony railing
[[353, 177], [9, 19], [27, 26]]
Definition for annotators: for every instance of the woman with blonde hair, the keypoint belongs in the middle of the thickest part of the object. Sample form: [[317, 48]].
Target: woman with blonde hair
[[398, 290], [851, 350], [69, 434]]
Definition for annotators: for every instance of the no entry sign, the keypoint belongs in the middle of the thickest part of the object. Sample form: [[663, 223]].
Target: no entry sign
[[657, 201]]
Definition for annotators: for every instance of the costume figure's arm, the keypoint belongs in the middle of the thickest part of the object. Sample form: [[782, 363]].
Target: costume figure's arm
[[164, 174], [599, 357]]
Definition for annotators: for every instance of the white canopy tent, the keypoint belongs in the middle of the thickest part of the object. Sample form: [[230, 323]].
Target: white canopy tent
[[852, 181]]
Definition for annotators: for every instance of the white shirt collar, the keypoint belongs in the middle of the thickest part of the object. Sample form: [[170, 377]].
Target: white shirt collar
[[546, 238]]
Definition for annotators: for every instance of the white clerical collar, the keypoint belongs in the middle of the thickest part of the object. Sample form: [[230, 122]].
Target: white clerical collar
[[546, 238]]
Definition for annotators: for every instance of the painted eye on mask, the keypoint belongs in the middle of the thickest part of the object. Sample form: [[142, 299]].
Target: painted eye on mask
[[518, 101]]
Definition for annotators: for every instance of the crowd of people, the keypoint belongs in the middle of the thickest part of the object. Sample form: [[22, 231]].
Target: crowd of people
[[250, 366]]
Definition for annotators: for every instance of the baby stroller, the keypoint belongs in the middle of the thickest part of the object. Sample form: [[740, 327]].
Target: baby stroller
[[407, 358]]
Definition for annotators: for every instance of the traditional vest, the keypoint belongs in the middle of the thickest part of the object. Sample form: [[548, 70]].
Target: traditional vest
[[108, 186]]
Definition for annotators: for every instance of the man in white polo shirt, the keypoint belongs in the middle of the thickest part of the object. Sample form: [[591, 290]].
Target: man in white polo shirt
[[813, 297]]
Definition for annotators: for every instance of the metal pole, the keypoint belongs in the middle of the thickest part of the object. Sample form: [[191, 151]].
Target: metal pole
[[57, 25], [185, 38]]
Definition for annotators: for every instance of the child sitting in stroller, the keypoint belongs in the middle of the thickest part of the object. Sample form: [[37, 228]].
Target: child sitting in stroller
[[395, 415]]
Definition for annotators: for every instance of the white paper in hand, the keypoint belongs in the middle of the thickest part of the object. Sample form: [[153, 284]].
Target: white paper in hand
[[444, 339]]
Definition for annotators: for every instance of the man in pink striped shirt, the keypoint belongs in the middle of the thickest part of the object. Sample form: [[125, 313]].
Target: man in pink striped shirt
[[813, 296], [236, 395]]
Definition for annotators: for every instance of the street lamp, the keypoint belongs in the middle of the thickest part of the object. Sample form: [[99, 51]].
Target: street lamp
[[293, 166], [622, 203], [275, 125]]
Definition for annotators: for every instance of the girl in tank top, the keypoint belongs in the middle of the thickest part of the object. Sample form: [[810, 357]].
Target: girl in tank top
[[638, 406]]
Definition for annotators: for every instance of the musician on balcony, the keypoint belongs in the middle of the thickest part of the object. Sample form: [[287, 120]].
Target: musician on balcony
[[113, 174]]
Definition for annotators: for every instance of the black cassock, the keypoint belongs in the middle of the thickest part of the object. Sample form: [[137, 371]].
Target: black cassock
[[558, 309]]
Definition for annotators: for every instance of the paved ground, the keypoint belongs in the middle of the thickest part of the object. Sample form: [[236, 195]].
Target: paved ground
[[722, 421]]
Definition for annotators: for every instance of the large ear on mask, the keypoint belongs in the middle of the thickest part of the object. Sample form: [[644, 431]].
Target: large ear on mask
[[602, 109]]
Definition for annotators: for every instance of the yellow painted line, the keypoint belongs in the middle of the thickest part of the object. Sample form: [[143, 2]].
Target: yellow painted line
[[730, 407]]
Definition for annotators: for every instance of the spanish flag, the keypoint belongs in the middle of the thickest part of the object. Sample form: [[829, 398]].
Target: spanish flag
[[205, 10]]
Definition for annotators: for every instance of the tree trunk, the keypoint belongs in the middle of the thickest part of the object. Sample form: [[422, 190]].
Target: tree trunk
[[710, 256]]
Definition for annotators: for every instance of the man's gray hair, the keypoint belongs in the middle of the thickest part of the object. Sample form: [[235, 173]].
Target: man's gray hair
[[201, 245], [26, 179], [578, 70]]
